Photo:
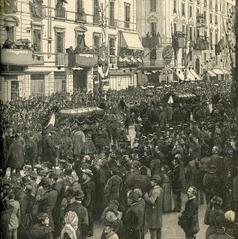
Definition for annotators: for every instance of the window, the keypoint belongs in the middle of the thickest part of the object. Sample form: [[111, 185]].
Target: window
[[59, 42], [210, 4], [9, 6], [96, 40], [80, 40], [112, 14], [80, 14], [37, 39], [211, 18], [175, 6], [211, 40], [96, 12], [59, 82], [205, 35], [183, 9], [175, 27], [184, 29], [198, 33], [190, 11], [216, 19], [60, 9], [205, 3], [191, 33], [79, 5], [112, 46], [127, 15], [153, 5], [205, 57], [10, 33], [216, 38], [153, 28], [205, 15], [198, 11]]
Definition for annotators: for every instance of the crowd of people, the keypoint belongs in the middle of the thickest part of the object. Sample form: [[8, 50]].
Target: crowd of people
[[125, 167]]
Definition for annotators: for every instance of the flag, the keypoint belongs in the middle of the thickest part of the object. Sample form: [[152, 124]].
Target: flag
[[52, 120]]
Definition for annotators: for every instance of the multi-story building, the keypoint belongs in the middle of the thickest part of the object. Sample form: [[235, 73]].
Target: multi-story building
[[154, 27], [196, 29], [51, 46]]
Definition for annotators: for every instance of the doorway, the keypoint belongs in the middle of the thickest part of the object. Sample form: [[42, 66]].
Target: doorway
[[80, 80]]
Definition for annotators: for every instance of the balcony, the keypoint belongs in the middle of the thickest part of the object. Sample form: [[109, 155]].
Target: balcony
[[80, 16], [60, 13], [86, 60], [20, 57], [61, 59]]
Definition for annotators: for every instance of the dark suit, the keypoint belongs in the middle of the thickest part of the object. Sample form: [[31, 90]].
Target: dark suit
[[134, 221], [47, 204], [153, 211], [89, 201], [189, 218]]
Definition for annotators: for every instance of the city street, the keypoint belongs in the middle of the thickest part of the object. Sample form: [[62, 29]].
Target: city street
[[171, 229]]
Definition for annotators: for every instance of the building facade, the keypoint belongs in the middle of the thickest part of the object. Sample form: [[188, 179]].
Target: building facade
[[51, 46], [195, 29]]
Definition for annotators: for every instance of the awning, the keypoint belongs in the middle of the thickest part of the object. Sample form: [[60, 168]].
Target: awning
[[44, 69], [226, 72], [185, 95], [132, 41], [210, 73], [197, 77], [77, 68], [218, 71]]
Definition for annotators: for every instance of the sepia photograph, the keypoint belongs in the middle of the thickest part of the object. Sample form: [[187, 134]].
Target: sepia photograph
[[119, 119]]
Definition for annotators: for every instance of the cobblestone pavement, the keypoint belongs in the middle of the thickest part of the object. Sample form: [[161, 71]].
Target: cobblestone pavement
[[170, 229]]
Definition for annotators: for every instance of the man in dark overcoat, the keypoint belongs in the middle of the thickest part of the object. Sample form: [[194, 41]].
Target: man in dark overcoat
[[176, 185], [48, 200], [16, 154], [153, 209], [189, 218], [49, 152], [88, 187], [134, 220]]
